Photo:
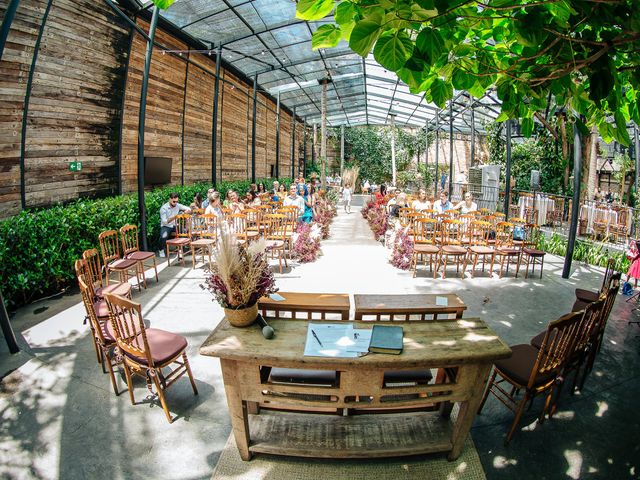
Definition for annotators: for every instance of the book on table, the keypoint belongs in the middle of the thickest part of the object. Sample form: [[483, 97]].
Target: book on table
[[386, 339]]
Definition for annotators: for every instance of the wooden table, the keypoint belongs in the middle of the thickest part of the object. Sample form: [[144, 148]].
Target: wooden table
[[406, 305], [466, 348], [321, 303]]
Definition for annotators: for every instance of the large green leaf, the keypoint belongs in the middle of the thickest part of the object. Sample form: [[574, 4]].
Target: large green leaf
[[326, 36], [441, 91], [430, 43], [363, 36], [163, 4], [526, 126], [344, 13], [393, 50], [620, 133], [606, 131], [313, 9], [462, 80]]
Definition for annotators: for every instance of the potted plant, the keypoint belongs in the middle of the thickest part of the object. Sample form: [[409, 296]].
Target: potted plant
[[239, 277]]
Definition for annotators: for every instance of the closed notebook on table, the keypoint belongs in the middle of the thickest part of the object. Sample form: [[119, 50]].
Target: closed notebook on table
[[386, 339]]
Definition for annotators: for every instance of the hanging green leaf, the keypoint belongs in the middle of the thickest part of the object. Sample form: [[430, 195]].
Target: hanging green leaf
[[462, 80], [363, 36], [606, 131], [441, 92], [393, 50], [431, 44], [620, 133], [526, 126], [163, 4], [326, 36], [313, 9], [344, 13]]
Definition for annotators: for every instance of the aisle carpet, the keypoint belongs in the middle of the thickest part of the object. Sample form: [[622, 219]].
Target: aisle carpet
[[423, 467]]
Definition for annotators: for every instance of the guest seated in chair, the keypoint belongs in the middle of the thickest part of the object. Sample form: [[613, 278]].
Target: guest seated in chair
[[421, 203], [467, 205], [443, 204], [400, 202], [168, 213], [293, 199]]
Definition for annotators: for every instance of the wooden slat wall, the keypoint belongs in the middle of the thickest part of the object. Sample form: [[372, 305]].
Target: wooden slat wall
[[74, 109], [14, 72], [84, 107]]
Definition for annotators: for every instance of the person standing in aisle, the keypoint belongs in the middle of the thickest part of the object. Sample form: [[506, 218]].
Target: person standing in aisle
[[346, 197]]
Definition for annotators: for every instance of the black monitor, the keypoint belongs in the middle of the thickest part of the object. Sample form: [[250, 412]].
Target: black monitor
[[157, 170]]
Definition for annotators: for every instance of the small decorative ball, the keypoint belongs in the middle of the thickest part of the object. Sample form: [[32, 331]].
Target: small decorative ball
[[268, 332]]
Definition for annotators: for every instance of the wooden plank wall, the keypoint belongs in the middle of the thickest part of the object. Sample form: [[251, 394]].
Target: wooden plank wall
[[84, 107]]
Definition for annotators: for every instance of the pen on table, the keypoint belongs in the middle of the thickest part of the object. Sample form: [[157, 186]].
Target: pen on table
[[316, 337]]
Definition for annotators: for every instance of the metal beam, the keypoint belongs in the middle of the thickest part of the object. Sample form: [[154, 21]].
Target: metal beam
[[25, 108], [305, 60], [507, 176], [304, 146], [214, 122], [575, 207], [9, 15], [293, 145], [437, 179], [277, 174], [473, 133], [342, 149], [141, 121], [253, 129], [7, 329], [450, 149]]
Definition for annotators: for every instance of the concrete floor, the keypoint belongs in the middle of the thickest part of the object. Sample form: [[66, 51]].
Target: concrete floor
[[61, 420]]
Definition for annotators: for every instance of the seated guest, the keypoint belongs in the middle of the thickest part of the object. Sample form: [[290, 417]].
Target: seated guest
[[467, 205], [168, 213], [421, 203], [293, 199], [276, 187], [197, 202], [214, 207], [400, 202], [303, 192], [380, 193], [443, 204], [227, 199], [252, 199], [261, 188], [205, 204], [279, 194], [235, 205]]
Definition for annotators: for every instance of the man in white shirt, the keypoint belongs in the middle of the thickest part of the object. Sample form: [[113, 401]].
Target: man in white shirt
[[443, 204], [168, 213], [293, 199]]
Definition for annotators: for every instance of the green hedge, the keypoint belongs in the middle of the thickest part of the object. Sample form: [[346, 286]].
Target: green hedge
[[38, 247], [584, 251]]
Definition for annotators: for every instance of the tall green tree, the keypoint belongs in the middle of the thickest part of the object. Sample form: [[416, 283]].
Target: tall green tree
[[582, 54]]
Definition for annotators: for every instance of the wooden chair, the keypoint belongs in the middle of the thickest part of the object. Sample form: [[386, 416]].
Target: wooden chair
[[514, 211], [112, 260], [92, 268], [275, 233], [620, 229], [584, 297], [424, 242], [103, 339], [238, 226], [479, 246], [534, 370], [465, 231], [182, 240], [532, 255], [451, 247], [291, 212], [601, 219], [203, 237], [147, 351], [131, 250], [504, 247]]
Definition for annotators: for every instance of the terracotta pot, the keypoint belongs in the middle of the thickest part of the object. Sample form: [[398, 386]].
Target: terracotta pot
[[242, 317]]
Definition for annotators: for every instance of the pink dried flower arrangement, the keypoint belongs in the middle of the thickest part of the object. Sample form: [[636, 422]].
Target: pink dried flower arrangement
[[305, 246], [402, 249], [378, 221]]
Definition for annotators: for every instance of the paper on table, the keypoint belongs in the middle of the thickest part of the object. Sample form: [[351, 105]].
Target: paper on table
[[361, 340], [442, 301], [332, 340], [276, 297]]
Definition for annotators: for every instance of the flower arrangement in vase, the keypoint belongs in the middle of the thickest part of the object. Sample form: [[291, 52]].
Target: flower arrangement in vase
[[306, 242], [240, 276]]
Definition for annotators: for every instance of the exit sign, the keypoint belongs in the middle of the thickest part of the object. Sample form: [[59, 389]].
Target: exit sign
[[75, 166]]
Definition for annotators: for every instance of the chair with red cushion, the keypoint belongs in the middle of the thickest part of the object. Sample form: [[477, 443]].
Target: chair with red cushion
[[182, 240], [584, 297], [532, 255], [112, 260], [148, 351], [131, 250], [91, 267]]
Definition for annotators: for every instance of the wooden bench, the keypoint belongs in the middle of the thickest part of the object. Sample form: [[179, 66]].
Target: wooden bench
[[422, 306], [314, 306]]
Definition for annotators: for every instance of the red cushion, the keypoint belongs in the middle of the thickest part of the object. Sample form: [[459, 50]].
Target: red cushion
[[122, 289], [102, 312], [453, 250], [122, 264], [425, 248], [163, 345], [140, 255], [480, 250], [178, 241], [534, 253]]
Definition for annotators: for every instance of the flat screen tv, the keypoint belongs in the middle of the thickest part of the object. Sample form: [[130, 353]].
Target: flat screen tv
[[157, 170]]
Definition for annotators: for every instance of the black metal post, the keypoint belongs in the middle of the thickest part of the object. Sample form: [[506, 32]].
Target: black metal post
[[304, 155], [473, 132], [214, 124], [25, 108], [637, 159], [507, 175], [184, 116], [575, 207], [7, 329], [450, 149], [435, 190], [9, 15], [313, 145], [278, 136], [141, 119], [293, 144], [253, 129]]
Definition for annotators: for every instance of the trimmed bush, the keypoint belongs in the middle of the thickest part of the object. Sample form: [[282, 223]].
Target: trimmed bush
[[38, 247]]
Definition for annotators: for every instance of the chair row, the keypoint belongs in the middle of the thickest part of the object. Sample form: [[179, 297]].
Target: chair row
[[569, 345]]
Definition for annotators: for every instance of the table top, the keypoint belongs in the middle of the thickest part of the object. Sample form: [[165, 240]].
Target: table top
[[407, 303], [426, 343], [320, 301]]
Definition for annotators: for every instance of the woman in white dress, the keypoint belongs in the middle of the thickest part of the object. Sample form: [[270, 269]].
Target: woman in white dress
[[421, 203]]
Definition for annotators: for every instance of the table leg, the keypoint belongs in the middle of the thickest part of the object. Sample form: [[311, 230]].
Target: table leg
[[237, 407], [476, 376]]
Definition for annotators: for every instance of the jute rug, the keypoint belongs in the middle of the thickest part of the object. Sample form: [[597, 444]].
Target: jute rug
[[273, 467]]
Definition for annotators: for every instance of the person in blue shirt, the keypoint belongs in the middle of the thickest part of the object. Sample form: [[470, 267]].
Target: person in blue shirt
[[443, 204]]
